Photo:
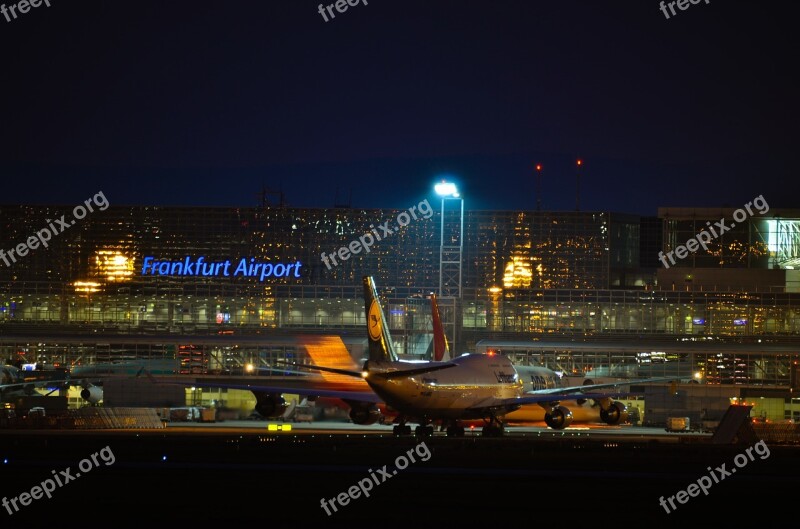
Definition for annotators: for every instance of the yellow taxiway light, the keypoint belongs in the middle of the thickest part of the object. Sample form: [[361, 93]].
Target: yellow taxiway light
[[272, 427]]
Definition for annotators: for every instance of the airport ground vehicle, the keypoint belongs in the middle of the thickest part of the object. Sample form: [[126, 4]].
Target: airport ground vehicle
[[303, 414], [677, 424]]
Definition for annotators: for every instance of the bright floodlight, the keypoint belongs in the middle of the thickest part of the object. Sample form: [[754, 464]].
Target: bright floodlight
[[446, 189]]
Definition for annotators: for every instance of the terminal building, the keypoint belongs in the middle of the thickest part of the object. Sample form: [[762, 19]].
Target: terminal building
[[214, 289]]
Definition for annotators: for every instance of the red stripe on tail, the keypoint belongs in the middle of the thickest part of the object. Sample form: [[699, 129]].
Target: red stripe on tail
[[439, 339]]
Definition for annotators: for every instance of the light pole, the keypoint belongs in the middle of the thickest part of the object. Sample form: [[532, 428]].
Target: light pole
[[451, 248], [578, 185], [451, 245]]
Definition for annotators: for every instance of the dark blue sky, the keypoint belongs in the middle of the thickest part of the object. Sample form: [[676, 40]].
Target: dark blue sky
[[205, 103]]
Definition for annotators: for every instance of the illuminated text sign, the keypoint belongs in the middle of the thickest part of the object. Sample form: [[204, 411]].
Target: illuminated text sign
[[198, 267]]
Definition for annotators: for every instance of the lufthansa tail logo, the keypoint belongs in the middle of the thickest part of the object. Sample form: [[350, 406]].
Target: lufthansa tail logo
[[374, 323]]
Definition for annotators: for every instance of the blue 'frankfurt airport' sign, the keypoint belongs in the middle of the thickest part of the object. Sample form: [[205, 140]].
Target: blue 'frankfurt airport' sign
[[198, 267]]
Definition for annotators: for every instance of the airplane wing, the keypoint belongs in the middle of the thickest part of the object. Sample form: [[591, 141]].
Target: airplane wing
[[508, 405], [360, 374], [311, 367], [361, 396], [36, 384], [552, 397], [570, 389]]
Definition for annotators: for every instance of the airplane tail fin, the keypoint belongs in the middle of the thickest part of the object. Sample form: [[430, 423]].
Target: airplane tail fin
[[380, 342], [439, 339]]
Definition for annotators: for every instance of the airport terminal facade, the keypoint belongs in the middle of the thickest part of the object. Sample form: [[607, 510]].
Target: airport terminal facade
[[147, 281]]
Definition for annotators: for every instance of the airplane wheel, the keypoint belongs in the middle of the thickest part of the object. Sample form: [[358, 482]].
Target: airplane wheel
[[423, 431], [490, 430], [455, 431]]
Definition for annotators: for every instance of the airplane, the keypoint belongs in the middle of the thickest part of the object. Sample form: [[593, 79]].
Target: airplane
[[16, 383], [90, 377]]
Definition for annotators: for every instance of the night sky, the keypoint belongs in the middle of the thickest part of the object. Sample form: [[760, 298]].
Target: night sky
[[207, 103]]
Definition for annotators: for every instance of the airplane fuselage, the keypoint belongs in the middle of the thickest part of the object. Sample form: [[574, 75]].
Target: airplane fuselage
[[12, 384], [9, 375], [450, 393]]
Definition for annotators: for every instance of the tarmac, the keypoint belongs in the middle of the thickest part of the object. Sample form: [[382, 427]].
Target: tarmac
[[218, 474]]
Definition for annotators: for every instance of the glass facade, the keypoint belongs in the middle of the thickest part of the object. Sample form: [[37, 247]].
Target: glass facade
[[526, 274], [734, 239]]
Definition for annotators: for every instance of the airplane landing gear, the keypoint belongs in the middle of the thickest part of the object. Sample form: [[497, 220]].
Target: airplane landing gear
[[401, 429], [424, 431], [455, 430], [494, 428]]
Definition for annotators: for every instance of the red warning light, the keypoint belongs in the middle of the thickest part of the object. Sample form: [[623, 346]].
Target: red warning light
[[580, 162], [538, 167]]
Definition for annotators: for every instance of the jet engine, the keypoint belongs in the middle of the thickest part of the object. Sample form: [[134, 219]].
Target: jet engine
[[364, 413], [616, 413], [558, 418], [270, 404], [93, 394]]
